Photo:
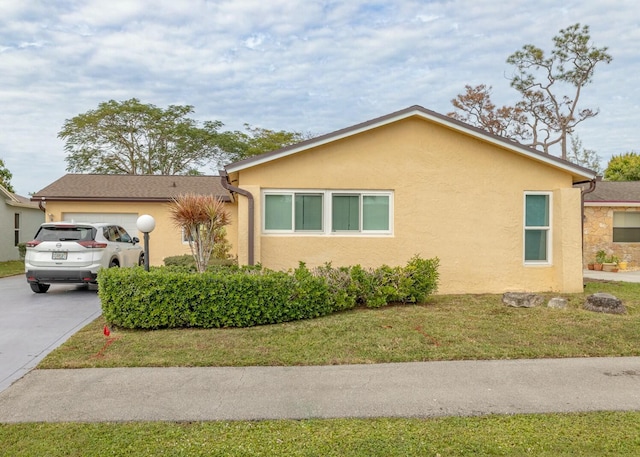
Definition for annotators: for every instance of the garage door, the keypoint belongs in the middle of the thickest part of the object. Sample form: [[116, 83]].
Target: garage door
[[126, 220]]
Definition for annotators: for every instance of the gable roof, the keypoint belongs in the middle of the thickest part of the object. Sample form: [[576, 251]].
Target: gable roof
[[579, 173], [93, 187], [614, 192], [17, 200]]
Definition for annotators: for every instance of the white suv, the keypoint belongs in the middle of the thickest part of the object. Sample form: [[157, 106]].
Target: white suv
[[68, 252]]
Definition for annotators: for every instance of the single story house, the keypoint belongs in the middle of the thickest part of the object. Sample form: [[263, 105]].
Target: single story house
[[19, 221], [612, 221], [500, 216], [123, 198]]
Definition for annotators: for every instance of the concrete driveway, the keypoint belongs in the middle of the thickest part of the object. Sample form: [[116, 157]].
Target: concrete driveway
[[32, 325]]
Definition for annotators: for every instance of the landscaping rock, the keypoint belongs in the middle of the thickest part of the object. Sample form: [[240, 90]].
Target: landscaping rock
[[558, 303], [604, 303], [521, 299]]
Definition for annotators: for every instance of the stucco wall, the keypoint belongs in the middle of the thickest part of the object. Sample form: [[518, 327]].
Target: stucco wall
[[164, 241], [30, 220], [598, 234], [455, 197]]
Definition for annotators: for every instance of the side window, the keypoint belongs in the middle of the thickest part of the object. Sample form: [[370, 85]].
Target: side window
[[123, 235], [16, 226], [537, 228], [110, 233], [626, 227]]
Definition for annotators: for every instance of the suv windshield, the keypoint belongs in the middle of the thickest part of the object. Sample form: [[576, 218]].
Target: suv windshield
[[65, 234]]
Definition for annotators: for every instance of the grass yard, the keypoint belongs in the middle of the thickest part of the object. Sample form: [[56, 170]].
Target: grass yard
[[445, 328], [11, 268], [596, 434]]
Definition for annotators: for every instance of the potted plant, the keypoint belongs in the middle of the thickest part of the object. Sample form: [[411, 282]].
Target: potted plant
[[601, 256], [610, 264], [623, 264]]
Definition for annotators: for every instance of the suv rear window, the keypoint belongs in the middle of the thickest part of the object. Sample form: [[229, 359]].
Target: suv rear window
[[66, 234]]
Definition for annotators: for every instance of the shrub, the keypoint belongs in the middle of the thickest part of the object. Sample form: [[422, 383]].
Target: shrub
[[186, 262], [22, 250], [233, 296], [160, 298]]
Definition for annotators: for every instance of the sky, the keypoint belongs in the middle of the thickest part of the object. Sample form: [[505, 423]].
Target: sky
[[313, 66]]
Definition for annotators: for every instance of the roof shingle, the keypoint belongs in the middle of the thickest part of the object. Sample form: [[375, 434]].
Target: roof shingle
[[130, 187], [615, 192]]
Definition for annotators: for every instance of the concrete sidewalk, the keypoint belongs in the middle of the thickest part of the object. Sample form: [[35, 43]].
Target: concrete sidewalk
[[622, 275], [427, 389]]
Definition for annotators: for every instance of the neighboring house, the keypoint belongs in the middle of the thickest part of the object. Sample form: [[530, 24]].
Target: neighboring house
[[19, 221], [612, 221], [123, 198], [500, 216]]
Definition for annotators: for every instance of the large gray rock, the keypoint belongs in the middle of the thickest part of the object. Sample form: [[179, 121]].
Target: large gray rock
[[604, 303], [522, 299]]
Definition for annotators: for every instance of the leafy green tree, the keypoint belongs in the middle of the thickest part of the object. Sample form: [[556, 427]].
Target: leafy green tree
[[623, 167], [254, 141], [133, 138], [130, 137], [5, 177], [545, 116]]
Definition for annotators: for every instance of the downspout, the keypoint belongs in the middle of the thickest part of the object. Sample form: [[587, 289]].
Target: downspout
[[227, 185], [583, 192]]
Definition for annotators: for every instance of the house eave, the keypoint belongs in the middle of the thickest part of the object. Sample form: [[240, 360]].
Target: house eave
[[22, 205]]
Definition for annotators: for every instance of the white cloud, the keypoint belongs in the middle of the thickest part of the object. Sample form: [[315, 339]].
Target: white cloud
[[315, 65]]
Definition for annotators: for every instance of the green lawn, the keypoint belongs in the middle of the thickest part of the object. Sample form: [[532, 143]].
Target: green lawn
[[444, 328], [553, 435], [11, 268]]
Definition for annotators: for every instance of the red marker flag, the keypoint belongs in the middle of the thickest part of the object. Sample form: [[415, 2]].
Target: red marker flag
[[106, 331]]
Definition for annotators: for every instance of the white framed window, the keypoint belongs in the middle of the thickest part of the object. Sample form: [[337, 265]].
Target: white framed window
[[626, 227], [327, 212], [16, 231], [537, 228]]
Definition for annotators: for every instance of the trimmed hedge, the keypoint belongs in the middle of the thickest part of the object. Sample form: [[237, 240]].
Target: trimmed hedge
[[170, 297]]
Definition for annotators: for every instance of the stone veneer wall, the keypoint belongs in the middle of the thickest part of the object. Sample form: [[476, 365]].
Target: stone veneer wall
[[598, 234]]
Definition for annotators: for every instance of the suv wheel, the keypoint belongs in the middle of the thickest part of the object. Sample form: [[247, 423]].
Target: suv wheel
[[39, 288], [114, 264], [141, 260]]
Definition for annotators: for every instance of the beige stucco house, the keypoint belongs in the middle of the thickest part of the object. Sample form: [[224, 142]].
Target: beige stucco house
[[123, 198], [19, 220], [612, 221], [498, 215]]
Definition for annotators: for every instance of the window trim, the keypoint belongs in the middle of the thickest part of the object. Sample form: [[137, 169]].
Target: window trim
[[547, 228], [327, 212]]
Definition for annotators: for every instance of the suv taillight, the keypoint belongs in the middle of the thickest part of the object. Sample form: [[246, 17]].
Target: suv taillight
[[92, 244], [33, 243]]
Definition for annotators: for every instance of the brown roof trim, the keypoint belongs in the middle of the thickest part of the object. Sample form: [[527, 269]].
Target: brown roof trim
[[415, 110]]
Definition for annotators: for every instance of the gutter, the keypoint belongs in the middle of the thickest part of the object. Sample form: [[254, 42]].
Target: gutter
[[233, 189]]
